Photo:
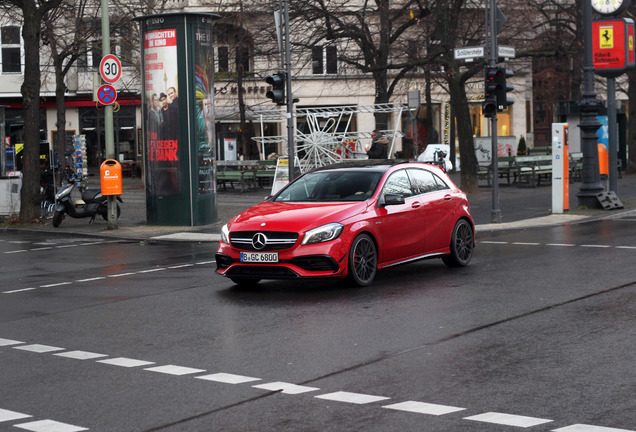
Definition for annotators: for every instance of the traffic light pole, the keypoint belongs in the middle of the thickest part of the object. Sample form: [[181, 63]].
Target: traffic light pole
[[491, 45], [291, 147]]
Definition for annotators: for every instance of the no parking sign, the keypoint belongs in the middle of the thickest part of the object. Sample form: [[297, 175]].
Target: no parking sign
[[106, 94]]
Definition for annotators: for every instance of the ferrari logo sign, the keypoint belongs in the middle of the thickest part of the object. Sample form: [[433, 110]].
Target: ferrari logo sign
[[606, 37], [613, 46]]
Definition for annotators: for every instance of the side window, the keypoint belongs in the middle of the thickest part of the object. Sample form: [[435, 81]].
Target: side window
[[398, 183], [441, 184], [423, 181]]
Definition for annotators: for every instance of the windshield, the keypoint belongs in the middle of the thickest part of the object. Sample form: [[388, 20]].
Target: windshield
[[332, 186]]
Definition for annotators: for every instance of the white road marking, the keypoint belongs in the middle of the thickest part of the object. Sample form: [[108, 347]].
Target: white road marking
[[6, 415], [37, 348], [286, 388], [595, 246], [125, 362], [588, 428], [42, 248], [526, 244], [16, 251], [228, 378], [7, 342], [508, 419], [424, 408], [205, 262], [354, 398], [493, 242], [153, 270], [55, 284], [49, 426], [120, 275], [561, 244], [180, 266], [65, 246], [625, 247], [18, 290], [81, 355], [175, 370], [91, 279]]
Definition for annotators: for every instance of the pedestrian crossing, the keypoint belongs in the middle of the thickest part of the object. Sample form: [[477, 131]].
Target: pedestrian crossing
[[275, 387]]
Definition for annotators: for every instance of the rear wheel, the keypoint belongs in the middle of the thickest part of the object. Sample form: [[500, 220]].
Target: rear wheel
[[58, 217], [462, 245], [363, 260]]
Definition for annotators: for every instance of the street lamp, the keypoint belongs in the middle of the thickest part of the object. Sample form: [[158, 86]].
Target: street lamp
[[589, 106]]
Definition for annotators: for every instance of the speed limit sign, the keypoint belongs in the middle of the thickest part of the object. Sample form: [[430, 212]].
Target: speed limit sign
[[110, 68]]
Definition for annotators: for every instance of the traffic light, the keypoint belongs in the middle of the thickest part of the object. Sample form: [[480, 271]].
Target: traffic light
[[496, 89], [502, 97], [277, 93], [489, 107]]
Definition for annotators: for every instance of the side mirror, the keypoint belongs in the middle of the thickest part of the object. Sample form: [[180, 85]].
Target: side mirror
[[392, 199]]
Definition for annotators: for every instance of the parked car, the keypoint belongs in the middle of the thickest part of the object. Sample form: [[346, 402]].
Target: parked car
[[347, 221]]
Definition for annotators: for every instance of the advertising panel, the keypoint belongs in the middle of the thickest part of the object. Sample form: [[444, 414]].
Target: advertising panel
[[204, 108], [613, 46], [163, 176]]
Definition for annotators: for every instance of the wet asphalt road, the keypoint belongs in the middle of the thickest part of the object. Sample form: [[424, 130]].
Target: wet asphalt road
[[537, 332]]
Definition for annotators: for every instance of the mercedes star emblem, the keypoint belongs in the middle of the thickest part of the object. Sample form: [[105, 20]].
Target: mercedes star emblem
[[259, 241]]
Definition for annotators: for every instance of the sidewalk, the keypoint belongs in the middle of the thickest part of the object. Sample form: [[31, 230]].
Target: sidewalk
[[521, 207]]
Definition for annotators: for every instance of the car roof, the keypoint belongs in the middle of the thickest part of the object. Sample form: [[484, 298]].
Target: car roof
[[374, 164]]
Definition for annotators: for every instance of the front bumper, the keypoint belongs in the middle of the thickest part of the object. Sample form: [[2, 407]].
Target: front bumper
[[313, 261]]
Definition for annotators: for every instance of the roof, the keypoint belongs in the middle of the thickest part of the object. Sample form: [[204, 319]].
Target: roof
[[379, 164]]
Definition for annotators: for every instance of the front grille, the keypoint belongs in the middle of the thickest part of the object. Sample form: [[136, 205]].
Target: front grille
[[275, 240], [261, 272], [316, 263]]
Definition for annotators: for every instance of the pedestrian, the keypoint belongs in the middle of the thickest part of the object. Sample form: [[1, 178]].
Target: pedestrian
[[379, 146]]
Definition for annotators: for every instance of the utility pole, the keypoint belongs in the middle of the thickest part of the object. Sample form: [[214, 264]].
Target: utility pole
[[291, 145], [108, 116]]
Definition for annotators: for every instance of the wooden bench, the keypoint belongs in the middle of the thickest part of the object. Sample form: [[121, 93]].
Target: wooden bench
[[242, 172], [265, 172], [504, 169], [532, 169]]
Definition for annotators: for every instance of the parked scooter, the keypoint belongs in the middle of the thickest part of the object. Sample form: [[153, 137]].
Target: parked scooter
[[93, 203]]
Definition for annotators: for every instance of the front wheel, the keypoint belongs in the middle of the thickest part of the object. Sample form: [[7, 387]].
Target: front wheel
[[58, 217], [462, 245], [363, 260]]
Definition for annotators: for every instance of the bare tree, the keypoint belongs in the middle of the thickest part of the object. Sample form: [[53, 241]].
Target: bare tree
[[65, 31], [33, 12]]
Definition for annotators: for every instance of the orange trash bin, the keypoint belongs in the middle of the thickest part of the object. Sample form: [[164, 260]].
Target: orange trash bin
[[603, 160], [111, 179]]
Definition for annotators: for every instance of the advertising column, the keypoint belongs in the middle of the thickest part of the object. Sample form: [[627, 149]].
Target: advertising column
[[178, 118]]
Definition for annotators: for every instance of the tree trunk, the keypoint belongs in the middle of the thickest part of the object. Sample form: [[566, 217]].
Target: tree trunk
[[30, 194], [461, 111]]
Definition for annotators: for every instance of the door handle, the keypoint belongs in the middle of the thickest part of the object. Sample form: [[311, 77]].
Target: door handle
[[448, 197], [416, 204]]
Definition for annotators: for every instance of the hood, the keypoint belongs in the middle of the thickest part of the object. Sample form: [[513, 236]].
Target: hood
[[294, 217]]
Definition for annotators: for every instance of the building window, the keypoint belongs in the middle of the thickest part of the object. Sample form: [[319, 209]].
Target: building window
[[224, 59], [324, 58], [11, 49], [232, 54]]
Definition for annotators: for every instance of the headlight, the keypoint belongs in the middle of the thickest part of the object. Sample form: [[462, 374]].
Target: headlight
[[322, 234], [225, 234]]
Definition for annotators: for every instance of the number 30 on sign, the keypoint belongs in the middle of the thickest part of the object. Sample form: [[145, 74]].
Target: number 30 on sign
[[110, 68]]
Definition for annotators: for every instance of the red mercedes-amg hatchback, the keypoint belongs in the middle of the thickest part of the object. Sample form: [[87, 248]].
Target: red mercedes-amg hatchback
[[348, 221]]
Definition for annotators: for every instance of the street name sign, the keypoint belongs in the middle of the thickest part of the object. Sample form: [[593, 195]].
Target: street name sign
[[468, 53]]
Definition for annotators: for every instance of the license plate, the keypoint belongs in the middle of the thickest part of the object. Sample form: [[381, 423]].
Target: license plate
[[259, 257]]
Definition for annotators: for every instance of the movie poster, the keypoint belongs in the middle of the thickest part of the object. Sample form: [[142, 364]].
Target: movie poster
[[163, 176], [204, 108]]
